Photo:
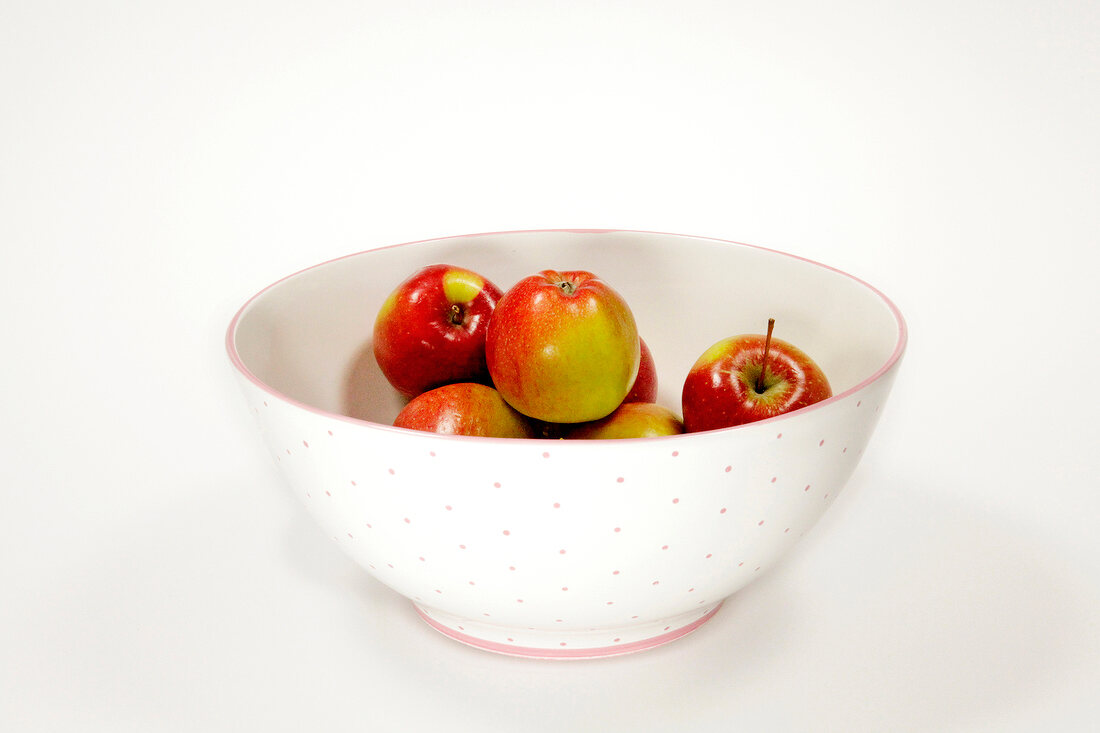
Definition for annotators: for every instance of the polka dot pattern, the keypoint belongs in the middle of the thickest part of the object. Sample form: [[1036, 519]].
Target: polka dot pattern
[[562, 549]]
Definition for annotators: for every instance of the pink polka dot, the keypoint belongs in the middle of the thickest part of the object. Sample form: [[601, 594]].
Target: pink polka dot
[[448, 507], [408, 521], [564, 587], [656, 582], [305, 444], [561, 552], [510, 639], [664, 547], [722, 510], [709, 556], [545, 454], [519, 600], [691, 590], [779, 436], [729, 468], [328, 493], [330, 432], [557, 505], [674, 454], [354, 484], [633, 617], [857, 404], [265, 403], [611, 603], [288, 451], [389, 564], [422, 559], [351, 536], [845, 449], [788, 529], [760, 523], [431, 453], [511, 567], [391, 471], [821, 443], [618, 529], [774, 478], [471, 582], [496, 484], [438, 591], [616, 639], [561, 643], [620, 479], [614, 572], [675, 501], [807, 488], [370, 526], [506, 533], [740, 563]]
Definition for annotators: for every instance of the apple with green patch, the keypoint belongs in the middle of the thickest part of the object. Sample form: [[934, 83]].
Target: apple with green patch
[[563, 347], [747, 378], [631, 420], [431, 329], [466, 408]]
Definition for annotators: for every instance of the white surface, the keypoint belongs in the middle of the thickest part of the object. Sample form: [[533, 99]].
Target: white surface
[[161, 162]]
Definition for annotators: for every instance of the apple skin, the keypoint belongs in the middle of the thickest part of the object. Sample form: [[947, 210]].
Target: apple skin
[[631, 420], [466, 408], [720, 389], [430, 330], [645, 385], [563, 347]]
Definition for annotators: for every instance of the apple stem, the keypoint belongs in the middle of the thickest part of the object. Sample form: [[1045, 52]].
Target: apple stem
[[764, 363], [457, 316]]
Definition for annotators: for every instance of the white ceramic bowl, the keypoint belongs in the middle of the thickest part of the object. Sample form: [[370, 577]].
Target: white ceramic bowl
[[567, 549]]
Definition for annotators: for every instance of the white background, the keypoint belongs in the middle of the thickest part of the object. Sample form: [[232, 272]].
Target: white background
[[161, 162]]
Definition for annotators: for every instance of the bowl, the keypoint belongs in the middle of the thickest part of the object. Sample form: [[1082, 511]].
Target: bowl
[[557, 548]]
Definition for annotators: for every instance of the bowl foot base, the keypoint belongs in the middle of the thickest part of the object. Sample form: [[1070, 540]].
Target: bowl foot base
[[566, 643]]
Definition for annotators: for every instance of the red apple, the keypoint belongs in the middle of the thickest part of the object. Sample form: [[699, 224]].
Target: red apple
[[466, 408], [747, 378], [563, 347], [430, 331], [631, 420], [645, 385]]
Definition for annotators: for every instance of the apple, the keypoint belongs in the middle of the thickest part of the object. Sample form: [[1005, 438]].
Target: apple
[[466, 408], [563, 347], [645, 385], [750, 377], [430, 330], [631, 420]]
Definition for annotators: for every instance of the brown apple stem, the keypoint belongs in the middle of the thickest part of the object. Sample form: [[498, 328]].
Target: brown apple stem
[[456, 315], [764, 363]]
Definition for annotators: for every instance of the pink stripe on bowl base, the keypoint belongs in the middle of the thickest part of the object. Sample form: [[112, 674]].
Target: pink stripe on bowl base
[[585, 653]]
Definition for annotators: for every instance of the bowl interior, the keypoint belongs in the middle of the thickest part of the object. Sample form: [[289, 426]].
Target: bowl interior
[[308, 336]]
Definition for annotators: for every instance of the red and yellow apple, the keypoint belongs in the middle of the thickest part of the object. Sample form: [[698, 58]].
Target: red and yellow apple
[[563, 347], [431, 329], [750, 377], [465, 408], [645, 385], [631, 420]]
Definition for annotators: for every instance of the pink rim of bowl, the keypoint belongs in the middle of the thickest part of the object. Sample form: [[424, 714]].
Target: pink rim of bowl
[[596, 652], [238, 362]]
